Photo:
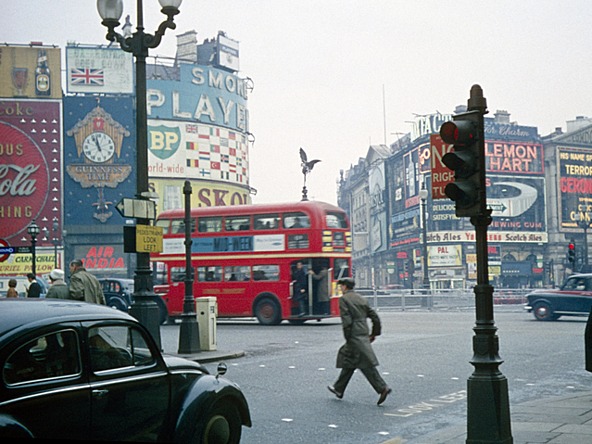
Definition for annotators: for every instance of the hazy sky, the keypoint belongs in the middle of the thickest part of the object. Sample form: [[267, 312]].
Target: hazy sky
[[320, 67]]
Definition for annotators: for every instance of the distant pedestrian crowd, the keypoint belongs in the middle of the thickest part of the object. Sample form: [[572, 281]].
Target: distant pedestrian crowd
[[83, 285]]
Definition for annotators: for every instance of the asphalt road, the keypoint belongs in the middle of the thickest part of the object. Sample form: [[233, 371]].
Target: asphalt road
[[424, 356]]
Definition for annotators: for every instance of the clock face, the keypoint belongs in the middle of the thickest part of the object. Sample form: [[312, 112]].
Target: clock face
[[98, 147]]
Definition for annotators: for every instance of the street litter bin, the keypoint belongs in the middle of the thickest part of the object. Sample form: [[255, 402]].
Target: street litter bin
[[207, 312]]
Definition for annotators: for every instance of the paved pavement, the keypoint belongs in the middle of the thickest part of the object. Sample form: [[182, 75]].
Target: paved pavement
[[557, 420]]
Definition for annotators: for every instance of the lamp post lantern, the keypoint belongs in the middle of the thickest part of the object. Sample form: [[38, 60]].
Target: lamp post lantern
[[583, 221], [144, 308], [33, 231]]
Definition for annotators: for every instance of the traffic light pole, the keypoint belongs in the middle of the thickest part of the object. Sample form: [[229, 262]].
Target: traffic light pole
[[488, 408]]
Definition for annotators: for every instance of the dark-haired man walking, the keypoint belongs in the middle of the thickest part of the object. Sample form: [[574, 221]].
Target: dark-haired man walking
[[357, 351]]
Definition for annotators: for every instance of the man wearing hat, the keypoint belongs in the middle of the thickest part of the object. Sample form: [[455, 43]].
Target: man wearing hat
[[357, 351], [58, 288]]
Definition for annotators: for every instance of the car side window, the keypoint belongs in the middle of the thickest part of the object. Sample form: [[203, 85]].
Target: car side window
[[50, 356], [113, 347]]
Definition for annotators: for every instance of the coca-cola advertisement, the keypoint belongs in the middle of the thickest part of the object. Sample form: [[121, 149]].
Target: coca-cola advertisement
[[30, 169]]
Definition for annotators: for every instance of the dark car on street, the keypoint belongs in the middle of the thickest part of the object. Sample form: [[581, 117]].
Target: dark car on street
[[77, 371], [119, 294], [574, 298]]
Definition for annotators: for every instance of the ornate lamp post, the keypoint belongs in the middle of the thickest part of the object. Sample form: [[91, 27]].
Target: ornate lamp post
[[144, 308], [583, 221], [423, 196], [55, 241], [33, 231]]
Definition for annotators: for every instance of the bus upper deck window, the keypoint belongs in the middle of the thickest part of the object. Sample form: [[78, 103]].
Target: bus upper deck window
[[237, 223], [164, 224], [336, 220], [210, 224], [296, 220], [266, 221]]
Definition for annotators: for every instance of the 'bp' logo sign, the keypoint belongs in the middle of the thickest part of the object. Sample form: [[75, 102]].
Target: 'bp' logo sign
[[163, 141]]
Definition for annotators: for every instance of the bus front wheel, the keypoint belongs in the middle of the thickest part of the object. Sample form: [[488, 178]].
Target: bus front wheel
[[268, 311]]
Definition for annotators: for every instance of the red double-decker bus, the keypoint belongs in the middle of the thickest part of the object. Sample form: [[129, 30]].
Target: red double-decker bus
[[245, 256]]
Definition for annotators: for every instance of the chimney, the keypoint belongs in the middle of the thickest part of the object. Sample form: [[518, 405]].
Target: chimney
[[502, 116]]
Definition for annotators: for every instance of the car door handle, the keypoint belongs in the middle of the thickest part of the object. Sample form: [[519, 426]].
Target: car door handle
[[100, 393]]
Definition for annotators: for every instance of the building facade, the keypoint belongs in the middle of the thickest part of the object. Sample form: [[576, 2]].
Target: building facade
[[538, 189], [77, 147]]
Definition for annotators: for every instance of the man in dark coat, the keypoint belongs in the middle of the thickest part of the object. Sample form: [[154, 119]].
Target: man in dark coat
[[34, 290], [588, 343], [323, 296], [300, 288], [357, 351]]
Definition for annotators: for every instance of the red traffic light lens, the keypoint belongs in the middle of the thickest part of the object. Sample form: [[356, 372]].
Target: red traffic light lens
[[449, 132], [572, 246]]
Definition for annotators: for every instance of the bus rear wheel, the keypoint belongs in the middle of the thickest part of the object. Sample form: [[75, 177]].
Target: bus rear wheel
[[268, 311]]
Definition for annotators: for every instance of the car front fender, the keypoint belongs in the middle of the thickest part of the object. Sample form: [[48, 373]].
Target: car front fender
[[207, 392], [11, 428]]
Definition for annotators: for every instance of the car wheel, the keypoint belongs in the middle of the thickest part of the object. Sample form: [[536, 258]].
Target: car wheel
[[268, 312], [544, 312], [117, 303], [222, 425]]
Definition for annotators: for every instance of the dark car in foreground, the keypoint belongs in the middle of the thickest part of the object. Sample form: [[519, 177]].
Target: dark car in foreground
[[77, 371], [574, 298]]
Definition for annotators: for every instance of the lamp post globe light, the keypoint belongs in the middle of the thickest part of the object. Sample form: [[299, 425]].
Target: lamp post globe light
[[33, 230], [583, 221], [144, 308]]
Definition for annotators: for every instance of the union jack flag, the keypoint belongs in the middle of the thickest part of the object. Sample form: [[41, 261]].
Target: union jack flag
[[87, 76]]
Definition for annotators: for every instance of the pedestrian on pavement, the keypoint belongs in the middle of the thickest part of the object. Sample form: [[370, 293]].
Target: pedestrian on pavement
[[357, 352], [300, 288], [59, 288], [322, 289], [34, 290], [83, 285], [12, 292]]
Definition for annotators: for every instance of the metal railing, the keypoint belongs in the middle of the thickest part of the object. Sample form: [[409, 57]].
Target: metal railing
[[416, 299]]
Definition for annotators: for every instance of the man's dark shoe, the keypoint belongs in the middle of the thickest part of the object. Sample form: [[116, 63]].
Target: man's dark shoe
[[335, 392], [387, 391]]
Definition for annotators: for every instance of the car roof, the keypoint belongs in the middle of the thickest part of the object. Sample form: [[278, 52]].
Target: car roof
[[17, 312], [580, 275]]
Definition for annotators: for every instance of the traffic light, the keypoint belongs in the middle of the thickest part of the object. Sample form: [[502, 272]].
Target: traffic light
[[571, 252], [467, 161]]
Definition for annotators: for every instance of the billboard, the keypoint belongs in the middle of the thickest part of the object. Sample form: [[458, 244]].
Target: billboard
[[99, 70], [574, 166], [228, 53], [204, 194], [378, 226], [203, 94], [197, 151], [514, 157], [30, 168], [31, 72], [99, 158]]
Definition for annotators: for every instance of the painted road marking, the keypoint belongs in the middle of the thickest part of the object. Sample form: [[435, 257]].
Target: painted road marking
[[431, 404]]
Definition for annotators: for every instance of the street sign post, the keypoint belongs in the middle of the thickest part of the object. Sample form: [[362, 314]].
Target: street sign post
[[137, 208]]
